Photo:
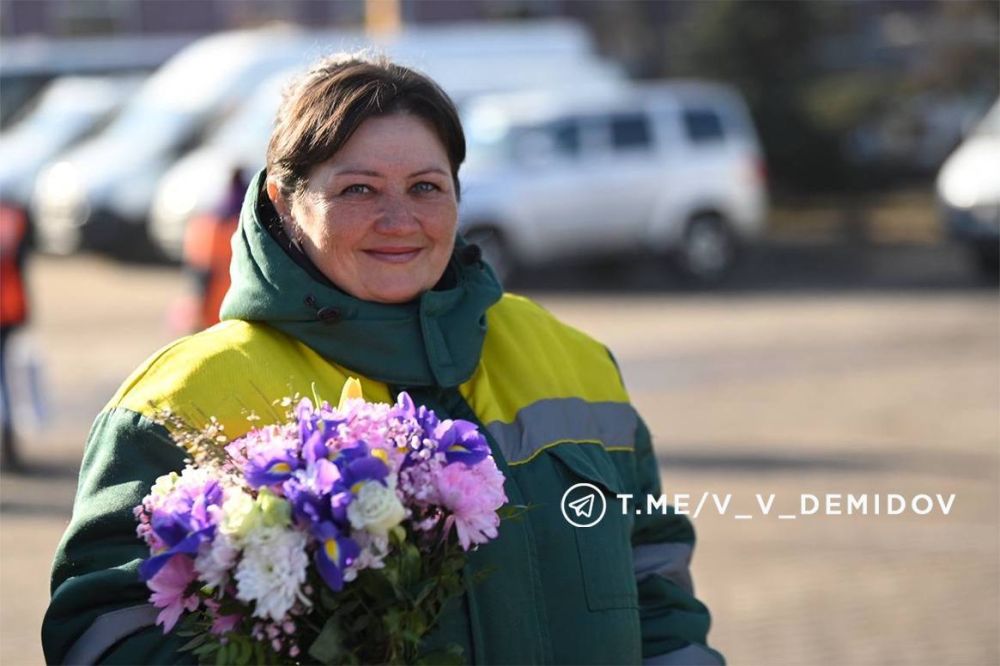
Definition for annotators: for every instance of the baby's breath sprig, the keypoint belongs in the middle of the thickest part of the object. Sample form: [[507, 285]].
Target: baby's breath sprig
[[205, 446]]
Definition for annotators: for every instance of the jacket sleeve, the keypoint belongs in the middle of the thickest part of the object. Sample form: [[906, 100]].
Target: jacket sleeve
[[674, 623], [99, 609]]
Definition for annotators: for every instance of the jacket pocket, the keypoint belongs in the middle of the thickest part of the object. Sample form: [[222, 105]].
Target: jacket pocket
[[605, 548]]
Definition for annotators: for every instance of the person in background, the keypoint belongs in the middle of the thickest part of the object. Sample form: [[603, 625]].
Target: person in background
[[208, 251], [13, 314]]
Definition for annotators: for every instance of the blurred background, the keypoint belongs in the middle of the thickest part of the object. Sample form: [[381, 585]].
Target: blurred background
[[783, 217]]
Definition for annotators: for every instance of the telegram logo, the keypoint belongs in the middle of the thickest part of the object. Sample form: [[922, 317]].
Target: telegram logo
[[583, 505]]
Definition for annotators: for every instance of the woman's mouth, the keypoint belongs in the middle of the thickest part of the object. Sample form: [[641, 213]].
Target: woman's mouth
[[393, 255]]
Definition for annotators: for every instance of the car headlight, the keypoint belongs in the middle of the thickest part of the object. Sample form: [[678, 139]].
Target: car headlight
[[61, 186]]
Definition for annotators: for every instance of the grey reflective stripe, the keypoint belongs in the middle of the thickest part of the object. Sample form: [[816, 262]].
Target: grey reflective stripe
[[564, 419], [689, 655], [107, 630], [670, 560]]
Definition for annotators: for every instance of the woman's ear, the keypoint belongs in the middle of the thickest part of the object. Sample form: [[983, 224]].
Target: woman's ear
[[278, 199]]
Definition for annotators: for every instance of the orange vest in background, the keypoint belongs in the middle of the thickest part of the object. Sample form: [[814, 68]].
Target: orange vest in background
[[208, 251], [13, 303]]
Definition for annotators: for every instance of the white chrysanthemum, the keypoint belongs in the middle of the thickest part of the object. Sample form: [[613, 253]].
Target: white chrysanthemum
[[376, 508], [272, 571], [215, 560]]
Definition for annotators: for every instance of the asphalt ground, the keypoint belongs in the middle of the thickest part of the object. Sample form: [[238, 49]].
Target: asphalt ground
[[823, 369]]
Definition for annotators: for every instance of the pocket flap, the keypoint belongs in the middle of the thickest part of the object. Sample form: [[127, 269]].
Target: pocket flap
[[591, 463]]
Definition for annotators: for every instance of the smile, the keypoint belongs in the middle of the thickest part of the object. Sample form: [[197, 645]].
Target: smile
[[394, 255]]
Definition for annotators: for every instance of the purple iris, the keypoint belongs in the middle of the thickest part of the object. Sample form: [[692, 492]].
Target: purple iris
[[336, 551], [310, 490], [314, 431], [367, 468], [182, 524], [426, 418], [461, 441], [269, 470]]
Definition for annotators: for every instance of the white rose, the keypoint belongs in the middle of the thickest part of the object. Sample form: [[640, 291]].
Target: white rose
[[375, 509], [237, 514]]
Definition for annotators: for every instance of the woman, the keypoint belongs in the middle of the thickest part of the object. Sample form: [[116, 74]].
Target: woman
[[346, 262]]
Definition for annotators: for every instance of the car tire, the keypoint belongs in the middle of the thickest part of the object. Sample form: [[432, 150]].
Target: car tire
[[495, 249], [987, 259], [707, 251]]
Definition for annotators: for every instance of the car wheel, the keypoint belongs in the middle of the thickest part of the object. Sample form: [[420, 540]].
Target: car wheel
[[707, 251], [987, 258], [59, 241], [494, 248]]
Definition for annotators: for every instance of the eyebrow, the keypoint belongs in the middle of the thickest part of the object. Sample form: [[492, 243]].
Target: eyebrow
[[353, 171]]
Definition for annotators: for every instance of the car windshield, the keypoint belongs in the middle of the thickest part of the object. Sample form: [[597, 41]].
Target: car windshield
[[248, 129], [184, 90], [488, 140], [64, 109], [152, 126]]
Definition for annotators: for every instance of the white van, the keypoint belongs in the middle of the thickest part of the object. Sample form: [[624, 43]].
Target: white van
[[99, 194], [968, 190], [68, 109], [673, 168], [466, 59]]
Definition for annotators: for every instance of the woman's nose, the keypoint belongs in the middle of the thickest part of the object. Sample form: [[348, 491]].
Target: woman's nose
[[395, 217]]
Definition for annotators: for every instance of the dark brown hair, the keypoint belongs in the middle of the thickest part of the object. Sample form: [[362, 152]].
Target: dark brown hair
[[323, 108]]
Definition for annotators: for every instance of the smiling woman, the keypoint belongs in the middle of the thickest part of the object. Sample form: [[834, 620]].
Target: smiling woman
[[346, 262], [379, 217]]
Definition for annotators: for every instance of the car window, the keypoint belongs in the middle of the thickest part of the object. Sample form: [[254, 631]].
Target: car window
[[703, 125], [559, 140], [566, 136], [630, 131]]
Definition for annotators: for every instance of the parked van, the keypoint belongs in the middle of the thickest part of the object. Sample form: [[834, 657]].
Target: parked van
[[968, 189], [67, 111], [674, 168], [466, 59], [99, 194]]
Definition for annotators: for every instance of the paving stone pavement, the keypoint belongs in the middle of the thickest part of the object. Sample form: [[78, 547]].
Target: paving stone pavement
[[881, 392]]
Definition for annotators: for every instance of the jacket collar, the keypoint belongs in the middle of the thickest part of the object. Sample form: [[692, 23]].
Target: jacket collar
[[434, 340]]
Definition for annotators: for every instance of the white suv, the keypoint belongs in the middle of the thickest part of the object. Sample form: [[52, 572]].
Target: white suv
[[675, 168]]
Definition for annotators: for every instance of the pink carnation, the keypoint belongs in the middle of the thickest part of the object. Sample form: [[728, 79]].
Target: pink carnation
[[168, 586], [221, 624], [472, 495]]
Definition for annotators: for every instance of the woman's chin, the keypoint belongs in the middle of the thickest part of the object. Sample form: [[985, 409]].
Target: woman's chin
[[391, 294]]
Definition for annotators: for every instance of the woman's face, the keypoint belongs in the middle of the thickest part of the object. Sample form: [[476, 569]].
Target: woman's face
[[378, 218]]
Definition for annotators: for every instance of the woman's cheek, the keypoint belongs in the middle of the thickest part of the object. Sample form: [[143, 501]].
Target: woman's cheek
[[443, 215]]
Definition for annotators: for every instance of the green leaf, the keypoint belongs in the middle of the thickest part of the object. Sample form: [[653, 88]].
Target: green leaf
[[392, 620], [452, 655], [207, 649], [327, 598], [328, 645], [360, 623], [424, 591], [243, 651], [197, 641], [222, 656]]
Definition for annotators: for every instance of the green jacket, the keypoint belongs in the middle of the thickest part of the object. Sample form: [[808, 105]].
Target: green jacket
[[548, 397]]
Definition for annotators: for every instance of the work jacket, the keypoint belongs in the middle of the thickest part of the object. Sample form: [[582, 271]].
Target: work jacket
[[13, 233], [549, 399]]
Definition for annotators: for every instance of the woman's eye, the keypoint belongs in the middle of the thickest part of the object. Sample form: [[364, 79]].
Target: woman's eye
[[425, 186], [357, 188]]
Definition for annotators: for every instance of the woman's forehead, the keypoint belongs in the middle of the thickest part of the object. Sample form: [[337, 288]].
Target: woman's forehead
[[397, 144]]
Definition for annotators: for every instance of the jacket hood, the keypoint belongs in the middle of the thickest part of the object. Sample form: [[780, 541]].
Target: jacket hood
[[434, 340]]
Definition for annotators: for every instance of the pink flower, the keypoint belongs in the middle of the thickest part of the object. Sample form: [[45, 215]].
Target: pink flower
[[168, 586], [472, 495], [221, 624]]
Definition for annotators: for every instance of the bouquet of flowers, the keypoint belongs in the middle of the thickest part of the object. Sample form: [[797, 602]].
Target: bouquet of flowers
[[334, 536]]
